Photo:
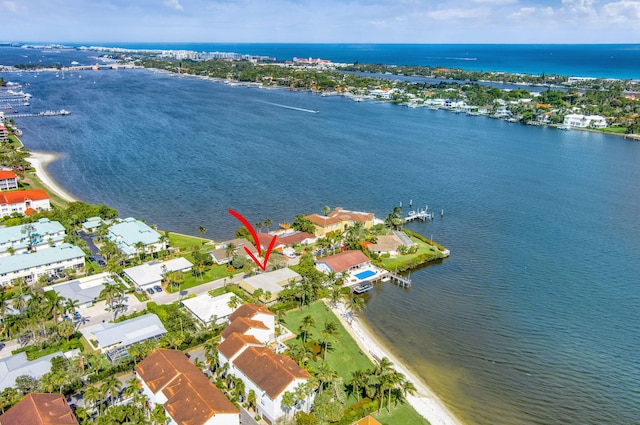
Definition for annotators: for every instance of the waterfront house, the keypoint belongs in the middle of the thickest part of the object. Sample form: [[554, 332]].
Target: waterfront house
[[273, 282], [390, 243], [92, 224], [35, 236], [134, 237], [52, 262], [23, 202], [168, 378], [339, 220], [40, 409], [17, 365], [114, 339], [150, 274], [346, 261], [8, 179], [584, 121]]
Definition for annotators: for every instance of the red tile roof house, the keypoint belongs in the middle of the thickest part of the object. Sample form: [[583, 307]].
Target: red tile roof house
[[169, 378], [23, 202], [268, 374], [252, 319], [343, 262], [40, 409], [8, 180]]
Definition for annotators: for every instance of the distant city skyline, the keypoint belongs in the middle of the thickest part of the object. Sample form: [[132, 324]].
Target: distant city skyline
[[329, 21]]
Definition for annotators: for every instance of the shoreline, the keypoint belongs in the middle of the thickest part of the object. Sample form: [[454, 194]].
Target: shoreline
[[425, 401], [39, 161]]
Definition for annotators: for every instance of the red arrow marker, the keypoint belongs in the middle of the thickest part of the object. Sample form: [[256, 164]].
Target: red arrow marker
[[256, 241]]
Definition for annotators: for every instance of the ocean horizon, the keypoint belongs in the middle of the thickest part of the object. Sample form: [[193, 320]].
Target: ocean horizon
[[621, 61], [534, 317]]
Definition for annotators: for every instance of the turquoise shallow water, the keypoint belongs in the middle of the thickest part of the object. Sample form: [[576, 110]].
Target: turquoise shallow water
[[532, 320]]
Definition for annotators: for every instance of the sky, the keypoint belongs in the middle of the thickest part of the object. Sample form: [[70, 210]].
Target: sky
[[321, 21]]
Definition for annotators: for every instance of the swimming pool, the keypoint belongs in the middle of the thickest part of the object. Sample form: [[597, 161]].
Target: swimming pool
[[365, 274]]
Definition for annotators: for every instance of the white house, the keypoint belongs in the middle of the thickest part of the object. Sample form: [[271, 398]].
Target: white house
[[150, 274], [23, 202], [39, 235], [206, 308], [49, 261], [252, 319], [130, 232], [168, 378], [114, 339], [85, 290], [8, 179], [584, 121]]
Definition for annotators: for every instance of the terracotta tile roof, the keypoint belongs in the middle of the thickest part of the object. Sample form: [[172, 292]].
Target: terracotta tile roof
[[236, 342], [323, 221], [241, 325], [7, 174], [248, 311], [269, 371], [22, 195], [265, 241], [368, 420], [344, 260], [294, 238], [191, 398], [40, 409]]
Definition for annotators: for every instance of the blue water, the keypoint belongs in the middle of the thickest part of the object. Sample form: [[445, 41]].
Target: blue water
[[534, 319], [589, 60]]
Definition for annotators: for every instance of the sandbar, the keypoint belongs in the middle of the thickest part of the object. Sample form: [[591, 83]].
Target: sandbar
[[39, 161], [425, 402]]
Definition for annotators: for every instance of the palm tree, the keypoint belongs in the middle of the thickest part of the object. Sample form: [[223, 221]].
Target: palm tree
[[357, 382], [92, 395], [230, 250], [307, 323], [251, 400], [259, 226], [288, 400], [325, 375], [139, 246], [65, 329], [326, 210], [202, 230], [111, 387], [354, 306], [268, 222], [335, 295], [55, 304], [71, 306], [234, 302], [330, 331]]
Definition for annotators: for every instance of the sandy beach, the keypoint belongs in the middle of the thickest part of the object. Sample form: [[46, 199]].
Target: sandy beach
[[39, 161], [425, 401]]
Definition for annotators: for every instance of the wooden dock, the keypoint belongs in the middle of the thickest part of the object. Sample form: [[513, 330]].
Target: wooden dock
[[422, 215], [399, 280], [40, 114]]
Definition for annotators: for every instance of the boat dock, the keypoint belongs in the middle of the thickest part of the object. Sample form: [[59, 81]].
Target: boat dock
[[399, 280], [40, 114], [422, 215]]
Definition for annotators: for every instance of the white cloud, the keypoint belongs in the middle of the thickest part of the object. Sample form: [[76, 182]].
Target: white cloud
[[8, 5], [458, 13], [174, 4], [496, 2], [621, 11]]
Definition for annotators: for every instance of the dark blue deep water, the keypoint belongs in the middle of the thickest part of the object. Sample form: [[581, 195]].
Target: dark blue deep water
[[535, 317]]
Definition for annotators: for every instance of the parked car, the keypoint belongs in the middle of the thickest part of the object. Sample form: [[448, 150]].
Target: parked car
[[77, 315], [158, 288], [101, 262], [150, 291]]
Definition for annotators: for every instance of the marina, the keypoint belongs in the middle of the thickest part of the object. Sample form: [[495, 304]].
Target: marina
[[41, 114]]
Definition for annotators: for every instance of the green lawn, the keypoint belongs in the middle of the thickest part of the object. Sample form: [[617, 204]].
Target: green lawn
[[403, 414], [346, 356], [400, 262]]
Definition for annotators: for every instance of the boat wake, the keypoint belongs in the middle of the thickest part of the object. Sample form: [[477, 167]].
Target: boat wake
[[310, 111]]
